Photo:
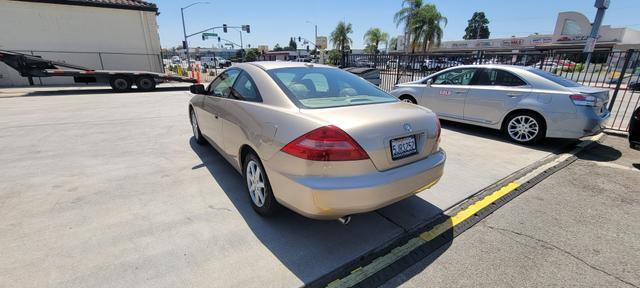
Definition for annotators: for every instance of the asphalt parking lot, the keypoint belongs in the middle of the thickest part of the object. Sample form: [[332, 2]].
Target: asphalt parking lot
[[576, 228], [110, 190]]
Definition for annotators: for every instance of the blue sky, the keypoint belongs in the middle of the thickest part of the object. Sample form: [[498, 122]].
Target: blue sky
[[274, 21]]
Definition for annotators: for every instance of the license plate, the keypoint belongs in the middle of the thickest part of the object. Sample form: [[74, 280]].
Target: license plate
[[403, 147]]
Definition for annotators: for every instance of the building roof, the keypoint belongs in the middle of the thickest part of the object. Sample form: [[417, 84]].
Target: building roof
[[116, 4]]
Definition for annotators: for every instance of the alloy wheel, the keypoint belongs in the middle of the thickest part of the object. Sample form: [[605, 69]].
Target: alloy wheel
[[194, 125], [523, 128], [256, 183]]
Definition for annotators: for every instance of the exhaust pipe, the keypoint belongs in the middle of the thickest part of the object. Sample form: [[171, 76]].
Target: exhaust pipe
[[345, 220]]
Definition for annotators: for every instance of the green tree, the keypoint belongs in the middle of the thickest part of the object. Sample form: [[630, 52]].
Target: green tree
[[404, 17], [426, 27], [293, 46], [340, 36], [277, 47], [477, 27], [373, 37], [252, 54], [334, 56]]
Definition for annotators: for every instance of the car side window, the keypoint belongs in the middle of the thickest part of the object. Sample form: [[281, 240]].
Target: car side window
[[460, 76], [221, 86], [246, 88], [496, 77]]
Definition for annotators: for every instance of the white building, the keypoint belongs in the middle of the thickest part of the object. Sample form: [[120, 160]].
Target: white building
[[114, 34], [571, 32]]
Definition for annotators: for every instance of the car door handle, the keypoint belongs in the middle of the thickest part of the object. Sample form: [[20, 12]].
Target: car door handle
[[459, 92], [514, 95]]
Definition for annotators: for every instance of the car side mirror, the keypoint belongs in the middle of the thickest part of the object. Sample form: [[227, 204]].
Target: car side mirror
[[197, 89]]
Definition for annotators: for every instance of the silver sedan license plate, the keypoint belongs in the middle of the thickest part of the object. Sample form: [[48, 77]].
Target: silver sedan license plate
[[403, 147]]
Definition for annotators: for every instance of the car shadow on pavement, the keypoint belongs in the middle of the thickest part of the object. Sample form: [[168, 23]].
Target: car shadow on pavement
[[551, 145], [600, 153], [309, 248], [94, 91]]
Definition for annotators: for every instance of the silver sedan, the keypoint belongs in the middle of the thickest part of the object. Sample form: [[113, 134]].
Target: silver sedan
[[318, 140], [526, 103]]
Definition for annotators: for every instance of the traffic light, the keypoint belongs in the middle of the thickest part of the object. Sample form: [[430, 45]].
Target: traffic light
[[299, 39], [204, 37], [224, 28], [218, 38], [248, 29], [307, 48], [184, 44]]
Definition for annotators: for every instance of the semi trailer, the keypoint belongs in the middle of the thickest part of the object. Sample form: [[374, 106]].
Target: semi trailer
[[120, 80]]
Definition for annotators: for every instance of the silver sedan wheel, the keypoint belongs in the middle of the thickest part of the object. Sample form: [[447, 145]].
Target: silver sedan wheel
[[523, 128], [255, 183], [194, 125], [407, 100]]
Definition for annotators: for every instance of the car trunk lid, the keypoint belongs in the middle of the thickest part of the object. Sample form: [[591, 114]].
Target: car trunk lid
[[602, 97], [374, 126]]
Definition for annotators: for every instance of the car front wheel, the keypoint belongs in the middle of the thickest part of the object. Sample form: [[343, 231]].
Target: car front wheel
[[258, 186], [525, 128], [197, 135]]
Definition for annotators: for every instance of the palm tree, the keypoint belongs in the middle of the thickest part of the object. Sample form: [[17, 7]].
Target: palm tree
[[374, 36], [426, 27], [340, 36], [404, 16]]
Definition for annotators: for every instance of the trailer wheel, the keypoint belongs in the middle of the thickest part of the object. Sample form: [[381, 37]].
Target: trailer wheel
[[120, 83], [145, 83]]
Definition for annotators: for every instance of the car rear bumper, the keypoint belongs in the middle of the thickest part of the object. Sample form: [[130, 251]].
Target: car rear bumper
[[585, 122], [634, 132], [333, 197]]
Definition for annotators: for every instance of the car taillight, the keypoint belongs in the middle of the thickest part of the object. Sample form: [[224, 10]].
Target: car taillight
[[327, 143], [582, 100]]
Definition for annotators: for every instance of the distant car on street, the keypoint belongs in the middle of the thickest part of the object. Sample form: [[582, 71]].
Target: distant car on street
[[634, 130], [211, 62], [176, 60], [316, 139], [526, 103]]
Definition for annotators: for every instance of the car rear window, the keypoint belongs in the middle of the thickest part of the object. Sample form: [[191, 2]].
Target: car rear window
[[554, 78], [321, 87]]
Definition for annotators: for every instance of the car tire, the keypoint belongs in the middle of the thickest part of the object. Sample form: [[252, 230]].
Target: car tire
[[195, 127], [524, 128], [146, 83], [120, 83], [258, 186], [408, 99]]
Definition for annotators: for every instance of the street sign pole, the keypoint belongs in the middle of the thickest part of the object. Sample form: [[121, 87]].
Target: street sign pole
[[590, 45]]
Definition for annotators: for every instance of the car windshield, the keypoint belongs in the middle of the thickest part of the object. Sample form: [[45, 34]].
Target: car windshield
[[554, 78], [320, 87]]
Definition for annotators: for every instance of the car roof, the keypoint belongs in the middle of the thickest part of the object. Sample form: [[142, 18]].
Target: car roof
[[268, 65], [502, 66]]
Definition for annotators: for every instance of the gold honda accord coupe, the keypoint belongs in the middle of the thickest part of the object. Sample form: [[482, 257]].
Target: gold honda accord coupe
[[316, 139]]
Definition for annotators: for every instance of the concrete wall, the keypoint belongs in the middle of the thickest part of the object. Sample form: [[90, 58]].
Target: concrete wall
[[98, 38]]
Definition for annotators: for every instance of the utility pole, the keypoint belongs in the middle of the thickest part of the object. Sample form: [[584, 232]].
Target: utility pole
[[590, 45], [185, 44]]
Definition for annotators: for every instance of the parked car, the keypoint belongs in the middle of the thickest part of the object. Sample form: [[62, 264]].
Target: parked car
[[176, 60], [211, 62], [363, 62], [526, 103], [412, 65], [316, 139], [634, 130]]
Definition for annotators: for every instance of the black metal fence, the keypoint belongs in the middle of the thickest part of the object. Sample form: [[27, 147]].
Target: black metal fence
[[618, 71]]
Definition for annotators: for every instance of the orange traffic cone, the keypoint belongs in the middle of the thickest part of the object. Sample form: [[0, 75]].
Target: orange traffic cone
[[198, 73]]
